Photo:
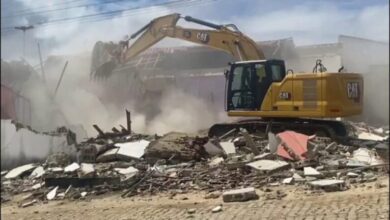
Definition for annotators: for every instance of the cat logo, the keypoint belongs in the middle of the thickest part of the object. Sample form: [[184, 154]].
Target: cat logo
[[285, 95], [203, 37], [353, 91]]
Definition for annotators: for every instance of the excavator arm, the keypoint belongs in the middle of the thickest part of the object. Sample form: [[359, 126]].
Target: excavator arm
[[222, 38]]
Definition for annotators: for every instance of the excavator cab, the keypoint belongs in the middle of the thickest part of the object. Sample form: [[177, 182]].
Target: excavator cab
[[249, 81]]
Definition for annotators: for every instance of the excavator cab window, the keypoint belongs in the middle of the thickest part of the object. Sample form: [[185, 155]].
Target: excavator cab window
[[248, 83]]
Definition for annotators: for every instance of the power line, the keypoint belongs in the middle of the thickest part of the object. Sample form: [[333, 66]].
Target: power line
[[32, 12], [106, 15]]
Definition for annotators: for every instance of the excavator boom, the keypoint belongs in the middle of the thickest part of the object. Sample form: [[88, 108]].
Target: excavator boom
[[222, 38]]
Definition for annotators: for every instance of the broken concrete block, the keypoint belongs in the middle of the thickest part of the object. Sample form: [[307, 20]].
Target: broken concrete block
[[132, 150], [298, 178], [217, 209], [328, 184], [288, 180], [212, 149], [16, 172], [228, 147], [310, 171], [262, 156], [37, 172], [351, 174], [370, 136], [240, 195], [56, 169], [72, 167], [86, 169], [366, 156], [216, 161], [4, 172], [52, 194], [83, 194], [126, 171], [273, 142], [268, 165], [107, 156], [37, 186], [27, 204]]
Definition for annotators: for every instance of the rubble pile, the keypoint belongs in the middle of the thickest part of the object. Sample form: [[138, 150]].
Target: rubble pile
[[177, 163]]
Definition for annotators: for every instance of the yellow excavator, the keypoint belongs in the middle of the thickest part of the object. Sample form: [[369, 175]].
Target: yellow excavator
[[255, 87]]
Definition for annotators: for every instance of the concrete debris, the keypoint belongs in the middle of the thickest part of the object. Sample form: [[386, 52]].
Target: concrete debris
[[72, 168], [212, 149], [86, 169], [329, 184], [177, 163], [27, 204], [37, 186], [228, 147], [18, 171], [217, 209], [132, 150], [37, 172], [268, 165], [370, 136], [56, 169], [310, 171], [52, 194], [240, 195], [288, 180], [216, 161], [4, 172], [366, 156]]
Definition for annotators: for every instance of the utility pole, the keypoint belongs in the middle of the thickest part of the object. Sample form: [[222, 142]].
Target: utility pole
[[24, 29]]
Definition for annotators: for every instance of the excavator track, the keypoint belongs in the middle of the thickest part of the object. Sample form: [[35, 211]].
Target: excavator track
[[326, 128], [337, 130]]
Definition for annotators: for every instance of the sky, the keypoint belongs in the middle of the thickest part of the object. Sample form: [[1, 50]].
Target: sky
[[63, 27]]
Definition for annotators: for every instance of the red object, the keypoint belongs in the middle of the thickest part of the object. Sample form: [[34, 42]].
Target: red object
[[293, 145], [7, 103]]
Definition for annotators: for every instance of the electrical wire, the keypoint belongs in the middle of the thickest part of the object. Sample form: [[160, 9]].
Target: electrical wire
[[111, 14]]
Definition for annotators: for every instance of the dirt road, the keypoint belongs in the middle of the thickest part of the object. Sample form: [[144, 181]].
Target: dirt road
[[366, 201]]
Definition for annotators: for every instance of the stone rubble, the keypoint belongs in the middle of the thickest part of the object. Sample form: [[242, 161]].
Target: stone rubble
[[177, 163]]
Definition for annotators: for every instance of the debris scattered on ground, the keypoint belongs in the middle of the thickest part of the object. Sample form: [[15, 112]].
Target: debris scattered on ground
[[217, 209], [236, 164]]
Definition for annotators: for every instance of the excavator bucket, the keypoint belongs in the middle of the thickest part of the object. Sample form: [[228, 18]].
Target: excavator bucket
[[105, 57]]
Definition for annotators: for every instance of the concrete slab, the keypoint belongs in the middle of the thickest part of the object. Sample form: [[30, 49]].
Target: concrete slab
[[240, 195], [298, 178], [126, 171], [288, 180], [107, 156], [132, 150], [366, 156], [228, 147], [72, 167], [37, 172], [326, 182], [86, 169], [52, 194], [268, 165], [16, 172], [310, 171], [56, 169], [370, 136]]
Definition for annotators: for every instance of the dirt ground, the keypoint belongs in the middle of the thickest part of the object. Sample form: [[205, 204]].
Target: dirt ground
[[365, 201]]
